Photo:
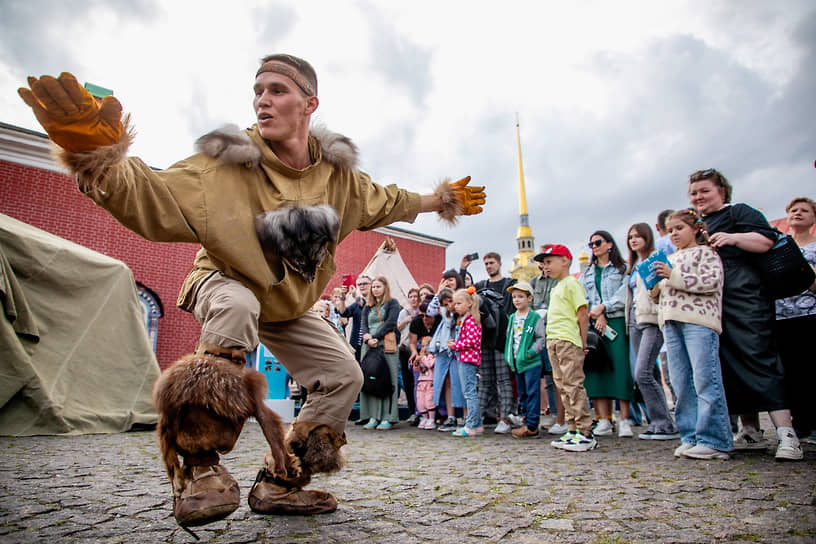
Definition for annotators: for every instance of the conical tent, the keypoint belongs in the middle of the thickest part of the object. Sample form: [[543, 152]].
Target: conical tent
[[388, 262]]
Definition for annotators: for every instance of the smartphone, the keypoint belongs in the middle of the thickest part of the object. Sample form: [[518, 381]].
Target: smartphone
[[349, 280], [610, 333], [473, 257]]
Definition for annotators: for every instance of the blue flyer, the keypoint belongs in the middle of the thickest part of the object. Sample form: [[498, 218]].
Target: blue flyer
[[647, 271]]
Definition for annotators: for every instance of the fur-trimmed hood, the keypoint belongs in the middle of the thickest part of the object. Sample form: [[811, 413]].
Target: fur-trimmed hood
[[231, 145]]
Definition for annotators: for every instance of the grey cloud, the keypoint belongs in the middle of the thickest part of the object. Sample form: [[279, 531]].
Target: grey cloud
[[272, 24], [582, 175], [33, 35], [406, 64]]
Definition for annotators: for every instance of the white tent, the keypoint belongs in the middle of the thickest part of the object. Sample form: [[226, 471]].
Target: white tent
[[388, 262]]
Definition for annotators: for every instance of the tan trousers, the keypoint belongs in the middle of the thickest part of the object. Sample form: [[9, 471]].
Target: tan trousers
[[567, 361], [309, 347]]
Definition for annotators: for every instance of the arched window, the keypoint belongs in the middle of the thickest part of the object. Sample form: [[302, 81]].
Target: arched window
[[152, 310]]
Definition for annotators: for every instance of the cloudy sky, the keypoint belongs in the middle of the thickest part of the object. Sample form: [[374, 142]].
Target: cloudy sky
[[618, 101]]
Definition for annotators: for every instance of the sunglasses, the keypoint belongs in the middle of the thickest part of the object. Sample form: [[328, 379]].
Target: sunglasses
[[596, 243], [703, 174]]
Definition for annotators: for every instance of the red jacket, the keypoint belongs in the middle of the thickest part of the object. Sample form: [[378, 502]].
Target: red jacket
[[469, 343]]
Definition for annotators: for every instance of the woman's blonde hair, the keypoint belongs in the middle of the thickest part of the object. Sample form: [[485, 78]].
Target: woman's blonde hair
[[470, 294], [799, 199], [386, 296]]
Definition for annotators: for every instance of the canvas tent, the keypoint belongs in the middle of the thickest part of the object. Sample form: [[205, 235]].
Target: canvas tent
[[388, 262], [74, 352]]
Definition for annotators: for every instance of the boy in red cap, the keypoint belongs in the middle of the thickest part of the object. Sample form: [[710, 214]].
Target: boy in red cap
[[567, 324]]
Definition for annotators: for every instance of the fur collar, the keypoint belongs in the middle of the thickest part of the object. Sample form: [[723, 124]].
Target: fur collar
[[231, 145]]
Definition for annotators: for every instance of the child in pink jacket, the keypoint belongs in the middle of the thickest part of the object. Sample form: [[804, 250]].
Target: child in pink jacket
[[468, 349], [424, 364]]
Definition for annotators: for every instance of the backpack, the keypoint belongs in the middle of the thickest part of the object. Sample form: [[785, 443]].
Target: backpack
[[493, 319], [376, 374]]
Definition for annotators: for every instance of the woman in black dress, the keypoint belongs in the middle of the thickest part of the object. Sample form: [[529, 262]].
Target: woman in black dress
[[751, 368]]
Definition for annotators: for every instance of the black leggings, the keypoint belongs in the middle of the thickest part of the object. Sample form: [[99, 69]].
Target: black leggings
[[407, 378]]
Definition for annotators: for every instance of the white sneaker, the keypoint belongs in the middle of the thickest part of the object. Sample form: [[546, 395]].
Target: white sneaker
[[502, 427], [750, 439], [682, 448], [580, 442], [563, 441], [558, 429], [547, 421], [603, 428], [515, 421], [704, 452], [625, 429], [788, 448]]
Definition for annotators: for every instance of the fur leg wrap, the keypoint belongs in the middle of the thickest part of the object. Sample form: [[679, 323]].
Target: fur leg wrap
[[203, 402], [315, 447]]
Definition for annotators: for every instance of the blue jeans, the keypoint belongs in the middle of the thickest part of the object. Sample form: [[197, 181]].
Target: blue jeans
[[467, 377], [700, 412], [528, 384], [646, 342]]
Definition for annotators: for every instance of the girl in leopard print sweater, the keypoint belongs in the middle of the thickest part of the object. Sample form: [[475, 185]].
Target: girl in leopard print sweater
[[690, 307]]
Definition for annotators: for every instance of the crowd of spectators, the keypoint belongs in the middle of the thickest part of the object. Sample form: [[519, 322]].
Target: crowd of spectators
[[694, 358]]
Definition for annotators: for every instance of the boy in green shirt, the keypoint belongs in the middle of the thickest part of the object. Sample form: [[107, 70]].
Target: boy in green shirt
[[525, 341], [567, 324]]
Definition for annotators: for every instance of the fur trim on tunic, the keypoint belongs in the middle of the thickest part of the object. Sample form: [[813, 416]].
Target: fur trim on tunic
[[231, 145], [451, 206], [91, 166]]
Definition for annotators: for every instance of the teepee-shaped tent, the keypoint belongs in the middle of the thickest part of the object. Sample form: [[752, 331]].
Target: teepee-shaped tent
[[388, 262]]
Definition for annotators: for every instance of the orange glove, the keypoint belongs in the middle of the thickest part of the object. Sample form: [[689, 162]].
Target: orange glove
[[471, 198], [70, 115]]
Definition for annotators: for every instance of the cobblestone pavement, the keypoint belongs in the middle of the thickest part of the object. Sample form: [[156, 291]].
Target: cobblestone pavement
[[407, 485]]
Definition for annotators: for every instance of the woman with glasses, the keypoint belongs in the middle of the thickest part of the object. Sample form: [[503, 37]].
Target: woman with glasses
[[751, 369], [605, 283]]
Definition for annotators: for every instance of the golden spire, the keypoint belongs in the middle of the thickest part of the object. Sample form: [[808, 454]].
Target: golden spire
[[522, 193], [524, 267]]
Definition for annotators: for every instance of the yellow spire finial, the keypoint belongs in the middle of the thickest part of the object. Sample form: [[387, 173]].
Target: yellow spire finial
[[522, 193]]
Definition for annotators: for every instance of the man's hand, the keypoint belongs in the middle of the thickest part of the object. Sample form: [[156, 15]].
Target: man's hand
[[70, 115], [454, 199], [472, 198]]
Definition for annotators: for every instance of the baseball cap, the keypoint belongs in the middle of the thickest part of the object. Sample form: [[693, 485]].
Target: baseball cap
[[555, 250], [521, 286]]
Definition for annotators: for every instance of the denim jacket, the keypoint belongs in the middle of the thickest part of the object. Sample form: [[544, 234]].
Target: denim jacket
[[613, 287]]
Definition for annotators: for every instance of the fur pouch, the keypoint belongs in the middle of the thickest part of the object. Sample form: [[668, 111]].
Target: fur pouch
[[299, 234]]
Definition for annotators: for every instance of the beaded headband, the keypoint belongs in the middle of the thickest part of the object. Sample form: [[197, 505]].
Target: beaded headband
[[290, 72]]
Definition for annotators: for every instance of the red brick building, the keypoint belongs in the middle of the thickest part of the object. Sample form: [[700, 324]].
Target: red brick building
[[35, 190]]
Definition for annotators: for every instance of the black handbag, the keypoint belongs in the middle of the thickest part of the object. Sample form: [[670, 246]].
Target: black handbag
[[596, 357], [783, 268]]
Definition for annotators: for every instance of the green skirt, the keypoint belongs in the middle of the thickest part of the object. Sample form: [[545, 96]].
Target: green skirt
[[615, 382]]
